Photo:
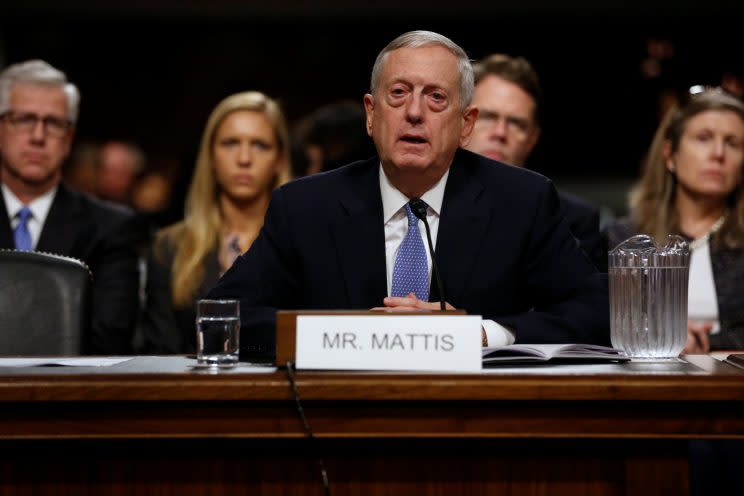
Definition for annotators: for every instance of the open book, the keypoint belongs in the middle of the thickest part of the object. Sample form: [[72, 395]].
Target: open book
[[735, 359], [535, 353]]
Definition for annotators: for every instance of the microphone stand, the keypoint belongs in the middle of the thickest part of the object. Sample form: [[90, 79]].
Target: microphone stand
[[418, 207]]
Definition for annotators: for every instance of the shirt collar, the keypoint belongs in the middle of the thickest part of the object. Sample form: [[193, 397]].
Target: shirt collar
[[393, 200], [39, 206]]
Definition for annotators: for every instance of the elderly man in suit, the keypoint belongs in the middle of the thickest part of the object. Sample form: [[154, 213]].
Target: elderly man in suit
[[347, 239], [38, 111]]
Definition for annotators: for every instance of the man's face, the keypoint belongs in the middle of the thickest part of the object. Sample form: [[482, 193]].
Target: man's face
[[32, 157], [506, 129], [415, 117]]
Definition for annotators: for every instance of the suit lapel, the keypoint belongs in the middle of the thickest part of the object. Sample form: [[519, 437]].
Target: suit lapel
[[62, 226], [359, 236], [463, 224], [6, 234]]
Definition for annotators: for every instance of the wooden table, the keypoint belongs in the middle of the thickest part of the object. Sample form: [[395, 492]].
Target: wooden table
[[155, 425]]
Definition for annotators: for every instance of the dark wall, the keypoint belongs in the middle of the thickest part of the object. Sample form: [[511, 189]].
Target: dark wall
[[153, 73]]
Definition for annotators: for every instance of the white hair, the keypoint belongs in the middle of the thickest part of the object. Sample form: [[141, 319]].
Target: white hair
[[38, 72], [418, 39]]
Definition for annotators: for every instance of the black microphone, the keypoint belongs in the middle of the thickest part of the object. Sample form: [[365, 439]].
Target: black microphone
[[418, 207]]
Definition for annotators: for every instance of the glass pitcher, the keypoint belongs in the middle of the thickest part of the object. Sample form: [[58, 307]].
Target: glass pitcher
[[648, 296]]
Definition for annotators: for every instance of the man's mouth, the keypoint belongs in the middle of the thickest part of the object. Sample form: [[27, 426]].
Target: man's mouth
[[415, 140]]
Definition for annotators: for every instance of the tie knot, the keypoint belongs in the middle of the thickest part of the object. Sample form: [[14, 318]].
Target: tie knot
[[24, 214], [412, 218]]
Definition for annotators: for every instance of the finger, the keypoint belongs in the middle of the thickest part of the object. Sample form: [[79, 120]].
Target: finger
[[704, 341], [396, 301], [692, 347], [697, 338], [403, 309]]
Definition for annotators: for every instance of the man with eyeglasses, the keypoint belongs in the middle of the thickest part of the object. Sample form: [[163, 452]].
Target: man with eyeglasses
[[38, 111], [509, 97]]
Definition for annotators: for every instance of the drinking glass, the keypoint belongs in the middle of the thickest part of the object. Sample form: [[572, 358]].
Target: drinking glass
[[217, 332]]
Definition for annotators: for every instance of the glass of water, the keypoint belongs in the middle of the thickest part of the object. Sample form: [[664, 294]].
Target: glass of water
[[217, 333]]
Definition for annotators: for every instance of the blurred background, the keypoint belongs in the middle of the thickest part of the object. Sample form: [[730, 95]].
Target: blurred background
[[151, 71]]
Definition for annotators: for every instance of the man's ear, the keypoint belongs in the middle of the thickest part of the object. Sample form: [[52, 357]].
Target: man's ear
[[369, 110], [469, 116]]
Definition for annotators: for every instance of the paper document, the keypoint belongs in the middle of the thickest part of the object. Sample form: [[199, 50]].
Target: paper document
[[531, 353], [63, 361]]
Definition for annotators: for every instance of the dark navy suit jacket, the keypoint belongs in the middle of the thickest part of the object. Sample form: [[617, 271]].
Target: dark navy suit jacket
[[504, 251]]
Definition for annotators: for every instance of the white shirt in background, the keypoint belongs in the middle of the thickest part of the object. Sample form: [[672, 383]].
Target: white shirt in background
[[702, 301]]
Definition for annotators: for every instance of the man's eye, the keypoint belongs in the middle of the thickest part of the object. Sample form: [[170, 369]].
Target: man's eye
[[518, 124], [26, 119], [57, 124]]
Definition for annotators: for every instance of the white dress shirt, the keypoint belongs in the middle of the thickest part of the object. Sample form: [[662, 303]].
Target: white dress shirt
[[39, 210], [702, 301], [396, 228]]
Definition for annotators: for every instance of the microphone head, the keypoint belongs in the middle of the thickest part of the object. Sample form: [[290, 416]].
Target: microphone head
[[418, 207]]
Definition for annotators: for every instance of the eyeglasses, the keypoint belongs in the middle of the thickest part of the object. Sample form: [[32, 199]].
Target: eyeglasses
[[26, 122]]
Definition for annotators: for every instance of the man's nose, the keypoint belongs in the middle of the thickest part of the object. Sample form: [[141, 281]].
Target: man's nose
[[499, 128], [414, 108], [38, 132]]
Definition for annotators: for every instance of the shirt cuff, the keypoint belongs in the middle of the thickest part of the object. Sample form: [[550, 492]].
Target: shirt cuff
[[497, 334]]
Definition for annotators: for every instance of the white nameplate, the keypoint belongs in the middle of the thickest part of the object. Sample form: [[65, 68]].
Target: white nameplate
[[443, 343]]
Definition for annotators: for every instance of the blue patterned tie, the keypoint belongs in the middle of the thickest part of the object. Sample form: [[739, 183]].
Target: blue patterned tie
[[411, 269], [20, 233]]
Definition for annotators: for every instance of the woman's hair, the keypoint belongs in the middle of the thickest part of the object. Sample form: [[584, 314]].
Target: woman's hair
[[652, 198], [199, 232]]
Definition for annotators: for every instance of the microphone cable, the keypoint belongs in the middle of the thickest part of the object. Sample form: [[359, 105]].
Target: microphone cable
[[418, 207], [308, 430]]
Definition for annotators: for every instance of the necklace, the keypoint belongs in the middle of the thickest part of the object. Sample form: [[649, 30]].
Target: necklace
[[698, 242]]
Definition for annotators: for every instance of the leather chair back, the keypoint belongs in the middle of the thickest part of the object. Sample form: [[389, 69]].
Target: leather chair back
[[44, 303]]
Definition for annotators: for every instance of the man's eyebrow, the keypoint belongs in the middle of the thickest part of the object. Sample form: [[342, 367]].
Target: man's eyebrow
[[487, 113]]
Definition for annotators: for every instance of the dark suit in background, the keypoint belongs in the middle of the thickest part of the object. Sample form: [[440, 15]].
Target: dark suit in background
[[504, 250], [166, 328], [107, 238], [583, 220]]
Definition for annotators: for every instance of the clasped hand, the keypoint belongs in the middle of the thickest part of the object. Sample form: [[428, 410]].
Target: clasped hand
[[409, 303], [698, 337]]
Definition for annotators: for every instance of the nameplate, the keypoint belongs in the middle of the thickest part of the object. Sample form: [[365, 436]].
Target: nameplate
[[442, 343]]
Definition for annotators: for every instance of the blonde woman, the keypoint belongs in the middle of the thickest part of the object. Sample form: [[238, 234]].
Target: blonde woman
[[243, 156], [692, 185]]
